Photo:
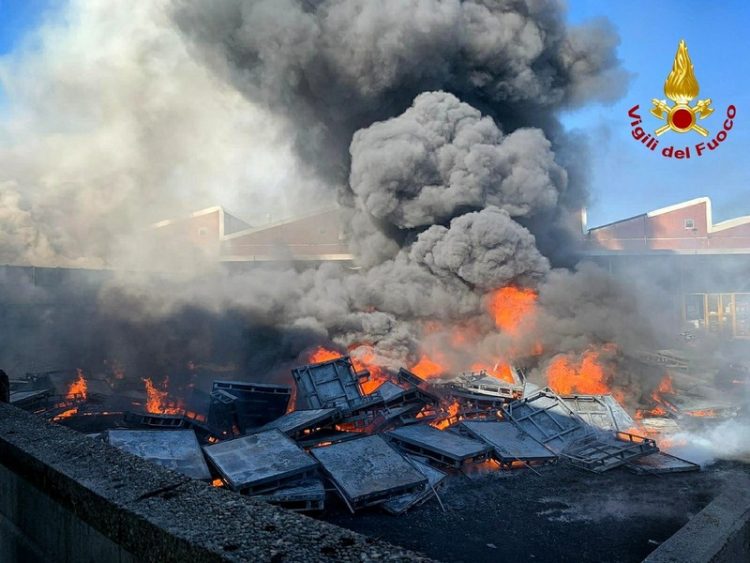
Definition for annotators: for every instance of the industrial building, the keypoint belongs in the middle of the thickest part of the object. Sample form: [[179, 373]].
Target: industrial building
[[705, 264]]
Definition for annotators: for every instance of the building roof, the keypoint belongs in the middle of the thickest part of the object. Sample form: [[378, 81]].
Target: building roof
[[314, 236], [682, 228]]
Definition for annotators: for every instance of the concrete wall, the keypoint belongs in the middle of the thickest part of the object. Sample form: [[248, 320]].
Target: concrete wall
[[66, 497], [720, 533]]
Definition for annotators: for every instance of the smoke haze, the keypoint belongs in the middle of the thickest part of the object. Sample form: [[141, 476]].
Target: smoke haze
[[432, 123]]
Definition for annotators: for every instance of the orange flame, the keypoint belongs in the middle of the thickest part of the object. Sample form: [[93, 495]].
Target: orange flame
[[156, 399], [511, 307], [323, 355], [78, 389], [65, 414], [363, 359], [666, 385], [452, 411], [565, 376], [499, 370], [710, 413], [427, 368], [662, 405]]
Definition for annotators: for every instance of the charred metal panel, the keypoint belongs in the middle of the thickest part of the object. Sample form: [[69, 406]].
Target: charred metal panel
[[260, 462], [308, 496], [448, 448], [600, 411], [295, 423], [604, 451], [173, 449], [368, 471], [257, 403], [661, 462], [402, 503], [154, 420], [328, 384], [545, 417], [508, 441]]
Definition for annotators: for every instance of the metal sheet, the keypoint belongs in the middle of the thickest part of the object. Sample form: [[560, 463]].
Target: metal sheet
[[394, 416], [603, 451], [660, 425], [297, 421], [368, 470], [509, 442], [546, 418], [389, 391], [308, 496], [327, 437], [260, 461], [600, 411], [408, 377], [29, 399], [661, 462], [327, 384], [402, 503], [307, 490], [174, 449], [256, 403], [446, 444], [155, 420]]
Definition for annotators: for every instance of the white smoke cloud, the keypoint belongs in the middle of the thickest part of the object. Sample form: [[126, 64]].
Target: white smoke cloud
[[723, 440], [112, 125]]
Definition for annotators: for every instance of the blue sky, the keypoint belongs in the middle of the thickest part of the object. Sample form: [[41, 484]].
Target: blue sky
[[16, 17], [626, 178]]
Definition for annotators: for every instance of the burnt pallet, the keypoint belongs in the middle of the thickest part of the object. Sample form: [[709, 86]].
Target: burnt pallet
[[447, 448]]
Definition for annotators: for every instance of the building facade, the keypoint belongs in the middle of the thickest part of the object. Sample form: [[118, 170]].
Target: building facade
[[704, 265]]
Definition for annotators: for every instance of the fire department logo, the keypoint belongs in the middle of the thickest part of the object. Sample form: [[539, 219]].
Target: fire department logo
[[681, 87]]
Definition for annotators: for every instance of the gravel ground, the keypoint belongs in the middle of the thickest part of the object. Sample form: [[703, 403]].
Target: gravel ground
[[563, 515]]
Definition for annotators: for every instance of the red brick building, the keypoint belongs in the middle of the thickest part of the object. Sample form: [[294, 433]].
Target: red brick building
[[218, 235], [683, 228], [680, 246]]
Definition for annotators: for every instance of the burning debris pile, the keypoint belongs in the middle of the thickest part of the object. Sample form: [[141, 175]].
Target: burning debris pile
[[436, 130], [388, 440]]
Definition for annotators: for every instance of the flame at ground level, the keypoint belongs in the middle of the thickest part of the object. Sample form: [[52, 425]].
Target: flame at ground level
[[452, 410], [567, 376], [65, 414], [156, 399], [662, 406], [78, 389]]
